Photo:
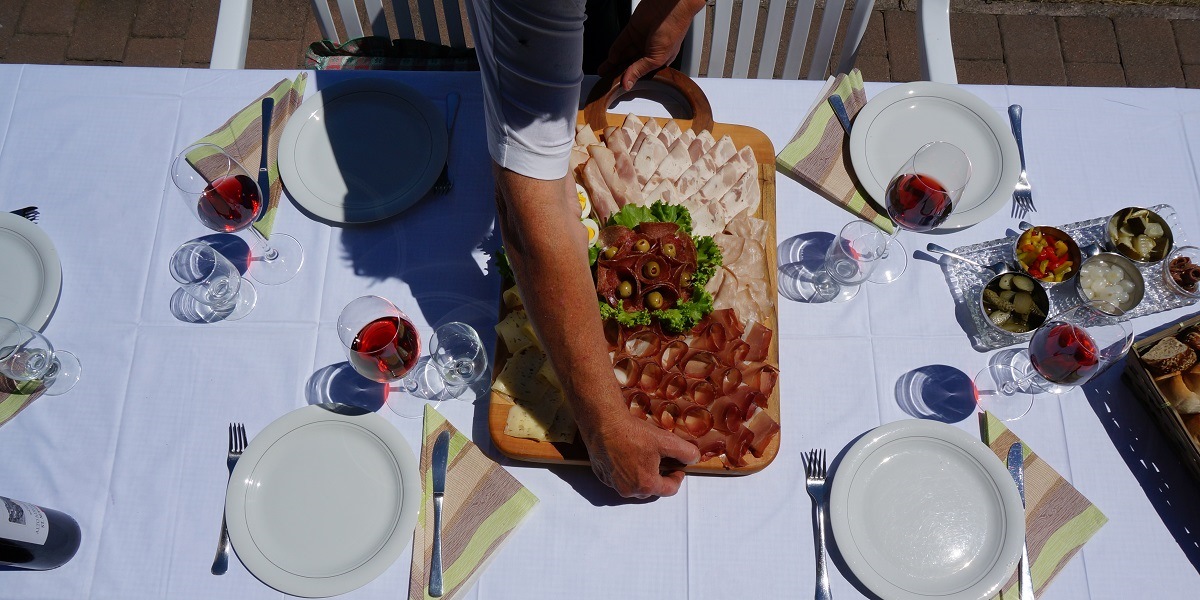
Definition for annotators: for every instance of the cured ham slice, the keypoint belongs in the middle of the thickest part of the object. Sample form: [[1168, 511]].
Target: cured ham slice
[[747, 226], [633, 125], [731, 247], [649, 130], [666, 192], [619, 140], [699, 173], [646, 161], [764, 428], [617, 170], [671, 166], [602, 199], [725, 177], [671, 131], [707, 219], [584, 136], [758, 339], [744, 196], [578, 157]]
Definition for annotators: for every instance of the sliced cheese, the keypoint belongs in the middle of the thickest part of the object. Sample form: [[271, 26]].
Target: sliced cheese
[[512, 329], [512, 297], [547, 373], [519, 378], [549, 419]]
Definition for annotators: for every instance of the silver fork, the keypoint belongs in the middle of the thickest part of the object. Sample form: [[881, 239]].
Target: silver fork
[[1023, 194], [237, 445], [814, 471], [29, 212], [443, 183]]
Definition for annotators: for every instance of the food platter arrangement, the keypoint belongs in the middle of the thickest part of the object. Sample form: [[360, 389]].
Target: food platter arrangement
[[680, 215], [1096, 260]]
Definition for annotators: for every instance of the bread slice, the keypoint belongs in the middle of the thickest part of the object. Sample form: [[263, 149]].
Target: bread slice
[[1168, 356], [1192, 423], [1180, 395]]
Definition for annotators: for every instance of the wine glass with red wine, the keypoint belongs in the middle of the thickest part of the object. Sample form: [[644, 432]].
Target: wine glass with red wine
[[920, 198], [383, 345], [1068, 350], [227, 199]]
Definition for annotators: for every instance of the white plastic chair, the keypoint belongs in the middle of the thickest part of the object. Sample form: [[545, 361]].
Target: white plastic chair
[[730, 27], [233, 25]]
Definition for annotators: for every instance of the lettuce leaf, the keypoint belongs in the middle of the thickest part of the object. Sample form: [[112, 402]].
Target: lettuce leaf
[[708, 258], [503, 267], [627, 318], [631, 215]]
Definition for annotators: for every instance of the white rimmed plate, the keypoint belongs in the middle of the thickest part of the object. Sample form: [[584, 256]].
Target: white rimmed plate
[[922, 510], [322, 502], [362, 150], [30, 274], [901, 119]]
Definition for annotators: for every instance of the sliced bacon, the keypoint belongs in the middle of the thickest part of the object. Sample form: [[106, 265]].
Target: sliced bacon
[[673, 353], [664, 412], [734, 352], [628, 371], [761, 377], [674, 385], [651, 376], [737, 445], [726, 379], [727, 415], [638, 403], [711, 444], [642, 343], [699, 365], [729, 320], [764, 428], [758, 338]]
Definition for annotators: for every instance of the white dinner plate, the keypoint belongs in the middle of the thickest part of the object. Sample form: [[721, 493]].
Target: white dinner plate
[[30, 274], [894, 124], [362, 150], [922, 510], [323, 502]]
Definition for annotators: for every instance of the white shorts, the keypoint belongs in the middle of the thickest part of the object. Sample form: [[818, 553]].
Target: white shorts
[[531, 61]]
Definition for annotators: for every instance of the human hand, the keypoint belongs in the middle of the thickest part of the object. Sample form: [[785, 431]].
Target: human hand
[[628, 454], [650, 40]]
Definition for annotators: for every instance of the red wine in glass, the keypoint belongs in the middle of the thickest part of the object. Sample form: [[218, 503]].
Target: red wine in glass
[[918, 202], [388, 345], [1064, 353], [229, 203]]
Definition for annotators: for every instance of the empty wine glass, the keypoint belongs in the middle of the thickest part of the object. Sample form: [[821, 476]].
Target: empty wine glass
[[215, 284], [457, 353], [226, 198], [1068, 350], [26, 355], [920, 198], [848, 262]]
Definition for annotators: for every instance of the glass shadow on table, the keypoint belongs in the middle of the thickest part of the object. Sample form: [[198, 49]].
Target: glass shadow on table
[[937, 393], [799, 259], [1169, 486], [186, 308]]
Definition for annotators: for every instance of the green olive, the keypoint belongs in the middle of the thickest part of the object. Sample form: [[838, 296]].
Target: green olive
[[685, 278], [610, 252], [654, 300], [625, 290], [651, 269], [642, 245], [669, 249]]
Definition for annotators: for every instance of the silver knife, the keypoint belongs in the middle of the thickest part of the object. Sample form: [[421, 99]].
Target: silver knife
[[441, 452], [839, 109], [1016, 468], [264, 172]]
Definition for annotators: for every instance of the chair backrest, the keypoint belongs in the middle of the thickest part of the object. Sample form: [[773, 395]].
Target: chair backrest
[[437, 21], [767, 39]]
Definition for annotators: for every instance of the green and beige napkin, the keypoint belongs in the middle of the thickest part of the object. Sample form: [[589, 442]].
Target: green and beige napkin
[[16, 395], [818, 155], [482, 507], [241, 137], [1058, 519]]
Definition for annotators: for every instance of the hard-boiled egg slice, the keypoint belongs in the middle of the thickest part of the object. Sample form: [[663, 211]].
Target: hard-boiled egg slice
[[593, 231], [585, 203]]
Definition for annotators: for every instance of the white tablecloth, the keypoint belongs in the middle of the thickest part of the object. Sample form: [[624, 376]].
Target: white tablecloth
[[135, 451]]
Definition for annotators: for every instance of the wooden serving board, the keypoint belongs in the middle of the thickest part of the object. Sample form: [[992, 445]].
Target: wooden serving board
[[597, 116]]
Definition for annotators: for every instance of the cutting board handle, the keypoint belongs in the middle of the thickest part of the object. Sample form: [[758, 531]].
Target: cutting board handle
[[609, 90]]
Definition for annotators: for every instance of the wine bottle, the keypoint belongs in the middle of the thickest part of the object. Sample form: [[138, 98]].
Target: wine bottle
[[32, 537]]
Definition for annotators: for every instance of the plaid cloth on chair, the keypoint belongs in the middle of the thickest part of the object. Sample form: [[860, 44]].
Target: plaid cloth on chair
[[379, 53]]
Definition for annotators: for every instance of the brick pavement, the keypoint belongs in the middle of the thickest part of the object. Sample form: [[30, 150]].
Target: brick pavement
[[1016, 42]]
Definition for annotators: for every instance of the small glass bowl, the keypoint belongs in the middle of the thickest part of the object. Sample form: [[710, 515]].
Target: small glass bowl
[[1192, 255]]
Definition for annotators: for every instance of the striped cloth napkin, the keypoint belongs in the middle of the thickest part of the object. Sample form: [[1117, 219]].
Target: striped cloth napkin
[[1058, 519], [16, 395], [817, 155], [482, 507], [241, 137]]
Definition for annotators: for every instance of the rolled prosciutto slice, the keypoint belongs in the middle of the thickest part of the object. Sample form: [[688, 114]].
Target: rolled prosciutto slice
[[764, 429]]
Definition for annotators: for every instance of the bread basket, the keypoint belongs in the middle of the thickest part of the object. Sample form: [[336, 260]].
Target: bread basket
[[1154, 393]]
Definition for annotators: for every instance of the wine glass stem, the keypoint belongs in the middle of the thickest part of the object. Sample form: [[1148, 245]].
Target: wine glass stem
[[268, 253], [1011, 387]]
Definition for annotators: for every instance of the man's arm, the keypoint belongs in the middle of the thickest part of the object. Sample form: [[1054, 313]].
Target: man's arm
[[548, 251]]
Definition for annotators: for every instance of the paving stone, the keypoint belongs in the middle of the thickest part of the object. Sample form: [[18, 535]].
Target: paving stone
[[874, 42], [274, 54], [154, 52], [1095, 74], [196, 65], [48, 16], [1031, 50], [901, 30], [278, 19], [37, 49], [102, 29], [984, 72], [161, 19], [1187, 37], [975, 37], [1191, 73], [1148, 52], [874, 68], [202, 28], [1088, 39]]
